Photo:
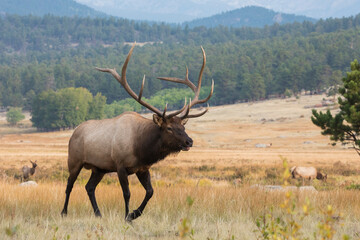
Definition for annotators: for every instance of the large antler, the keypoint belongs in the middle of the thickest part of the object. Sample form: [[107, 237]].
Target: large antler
[[122, 80], [195, 89]]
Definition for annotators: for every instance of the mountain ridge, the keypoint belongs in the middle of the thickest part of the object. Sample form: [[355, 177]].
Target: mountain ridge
[[177, 12], [68, 8], [251, 16]]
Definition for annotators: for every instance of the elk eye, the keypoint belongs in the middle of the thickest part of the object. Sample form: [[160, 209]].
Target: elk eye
[[169, 129]]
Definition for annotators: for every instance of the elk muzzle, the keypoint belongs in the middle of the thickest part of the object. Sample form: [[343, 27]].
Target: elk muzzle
[[188, 144]]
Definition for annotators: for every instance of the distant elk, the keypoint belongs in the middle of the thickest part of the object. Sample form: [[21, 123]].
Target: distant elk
[[130, 143], [309, 173], [27, 171]]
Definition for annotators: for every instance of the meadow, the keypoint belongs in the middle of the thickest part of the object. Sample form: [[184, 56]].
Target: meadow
[[207, 193]]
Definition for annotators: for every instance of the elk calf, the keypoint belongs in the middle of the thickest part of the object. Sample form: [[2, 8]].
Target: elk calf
[[27, 171]]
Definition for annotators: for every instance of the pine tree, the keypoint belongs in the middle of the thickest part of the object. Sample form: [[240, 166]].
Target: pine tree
[[345, 125]]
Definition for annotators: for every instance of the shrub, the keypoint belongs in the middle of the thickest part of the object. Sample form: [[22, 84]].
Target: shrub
[[206, 168], [204, 182], [66, 108], [14, 115], [272, 173], [353, 187]]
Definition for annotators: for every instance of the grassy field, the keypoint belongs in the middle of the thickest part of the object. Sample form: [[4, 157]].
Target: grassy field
[[217, 212], [235, 147]]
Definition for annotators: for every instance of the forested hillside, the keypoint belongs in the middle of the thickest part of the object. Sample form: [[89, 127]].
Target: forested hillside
[[251, 16], [45, 7], [42, 53]]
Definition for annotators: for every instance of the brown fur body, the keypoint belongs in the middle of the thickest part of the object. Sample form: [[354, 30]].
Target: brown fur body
[[128, 141]]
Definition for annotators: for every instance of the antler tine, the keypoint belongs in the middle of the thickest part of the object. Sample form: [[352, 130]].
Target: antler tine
[[201, 72], [142, 88], [208, 97], [163, 115], [199, 114], [197, 90], [184, 114], [185, 81], [122, 80], [179, 111], [112, 71]]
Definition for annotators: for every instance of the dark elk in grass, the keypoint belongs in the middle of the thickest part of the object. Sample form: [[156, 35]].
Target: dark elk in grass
[[28, 171], [129, 143]]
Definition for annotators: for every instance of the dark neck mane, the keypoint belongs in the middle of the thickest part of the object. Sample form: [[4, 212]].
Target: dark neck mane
[[150, 147]]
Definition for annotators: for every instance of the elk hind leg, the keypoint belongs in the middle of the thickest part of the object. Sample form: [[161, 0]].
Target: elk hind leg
[[144, 178], [72, 178], [90, 187]]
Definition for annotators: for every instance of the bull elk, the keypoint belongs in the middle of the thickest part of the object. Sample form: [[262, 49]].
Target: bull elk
[[130, 143]]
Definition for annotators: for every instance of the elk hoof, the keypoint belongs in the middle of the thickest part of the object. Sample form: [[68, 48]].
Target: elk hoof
[[64, 213], [98, 214], [135, 214], [129, 217]]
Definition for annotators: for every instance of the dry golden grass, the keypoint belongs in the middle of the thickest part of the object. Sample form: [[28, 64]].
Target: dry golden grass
[[217, 213], [224, 152]]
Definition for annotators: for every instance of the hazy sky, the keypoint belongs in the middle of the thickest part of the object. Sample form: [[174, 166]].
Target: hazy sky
[[186, 10]]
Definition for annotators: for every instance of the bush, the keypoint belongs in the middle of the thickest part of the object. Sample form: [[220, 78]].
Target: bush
[[288, 93], [14, 115], [272, 173], [344, 169], [66, 108], [206, 168], [353, 187]]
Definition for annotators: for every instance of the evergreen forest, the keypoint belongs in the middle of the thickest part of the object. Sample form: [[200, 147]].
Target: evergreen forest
[[52, 53]]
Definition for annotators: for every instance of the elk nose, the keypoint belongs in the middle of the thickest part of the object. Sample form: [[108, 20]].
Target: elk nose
[[189, 142]]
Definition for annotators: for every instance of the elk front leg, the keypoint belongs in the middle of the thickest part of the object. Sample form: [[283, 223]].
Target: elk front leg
[[90, 187], [124, 183], [144, 178]]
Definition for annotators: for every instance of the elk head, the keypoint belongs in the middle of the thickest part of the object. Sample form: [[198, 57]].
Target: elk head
[[34, 165], [173, 132], [171, 124], [321, 176]]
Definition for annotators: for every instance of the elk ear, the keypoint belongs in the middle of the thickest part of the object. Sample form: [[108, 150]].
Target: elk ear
[[158, 120], [184, 121]]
